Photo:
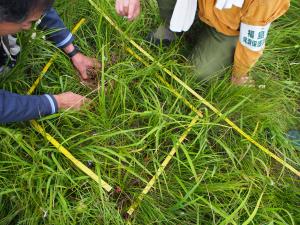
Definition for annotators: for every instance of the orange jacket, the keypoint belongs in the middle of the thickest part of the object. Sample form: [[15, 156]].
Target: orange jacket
[[251, 23]]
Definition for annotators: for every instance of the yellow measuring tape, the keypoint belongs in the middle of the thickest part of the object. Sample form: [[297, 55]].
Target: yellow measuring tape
[[172, 89], [66, 153], [52, 140], [195, 94], [162, 167]]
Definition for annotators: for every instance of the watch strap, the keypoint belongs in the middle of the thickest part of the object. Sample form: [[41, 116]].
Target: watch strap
[[75, 51]]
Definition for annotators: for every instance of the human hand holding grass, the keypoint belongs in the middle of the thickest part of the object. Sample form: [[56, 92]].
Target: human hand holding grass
[[82, 63], [70, 100], [85, 64], [128, 8]]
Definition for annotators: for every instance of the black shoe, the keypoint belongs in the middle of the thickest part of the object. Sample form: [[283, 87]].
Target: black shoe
[[156, 41]]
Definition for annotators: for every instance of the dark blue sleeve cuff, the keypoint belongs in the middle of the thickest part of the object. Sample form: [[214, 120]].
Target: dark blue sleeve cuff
[[53, 103], [65, 42], [14, 107]]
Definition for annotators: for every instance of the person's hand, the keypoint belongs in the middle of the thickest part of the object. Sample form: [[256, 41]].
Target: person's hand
[[242, 80], [85, 64], [70, 100], [128, 8]]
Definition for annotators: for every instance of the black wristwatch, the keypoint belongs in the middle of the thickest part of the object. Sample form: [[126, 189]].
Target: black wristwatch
[[74, 52]]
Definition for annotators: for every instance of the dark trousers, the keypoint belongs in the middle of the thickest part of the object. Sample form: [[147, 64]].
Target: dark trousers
[[213, 51]]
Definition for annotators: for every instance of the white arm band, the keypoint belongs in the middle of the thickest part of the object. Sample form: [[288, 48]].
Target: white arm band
[[254, 37]]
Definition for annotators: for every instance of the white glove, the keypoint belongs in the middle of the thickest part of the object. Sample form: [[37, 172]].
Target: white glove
[[183, 15]]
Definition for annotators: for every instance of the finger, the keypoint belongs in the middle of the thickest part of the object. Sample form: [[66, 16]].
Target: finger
[[78, 104], [126, 5], [137, 11], [135, 14], [86, 100], [86, 103], [81, 101], [131, 11], [121, 8], [92, 73], [96, 64], [83, 74]]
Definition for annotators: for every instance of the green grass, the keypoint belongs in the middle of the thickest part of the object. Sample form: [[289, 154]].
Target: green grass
[[216, 177]]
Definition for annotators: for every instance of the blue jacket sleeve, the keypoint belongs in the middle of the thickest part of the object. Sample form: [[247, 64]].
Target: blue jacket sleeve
[[14, 107], [61, 36]]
